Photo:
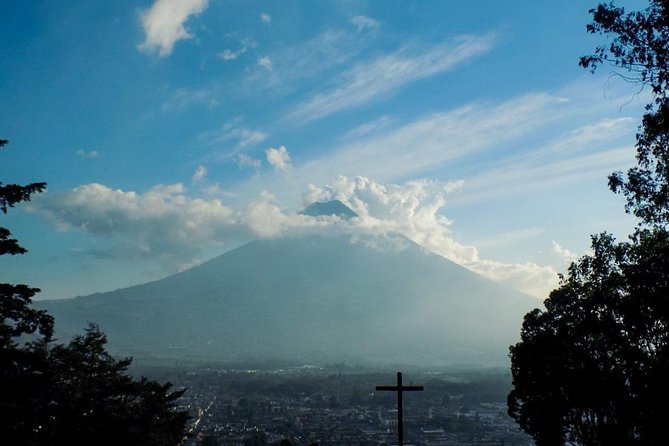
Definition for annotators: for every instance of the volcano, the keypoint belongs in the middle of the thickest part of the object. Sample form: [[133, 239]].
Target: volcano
[[315, 298]]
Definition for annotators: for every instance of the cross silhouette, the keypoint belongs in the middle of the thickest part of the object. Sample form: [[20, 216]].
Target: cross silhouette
[[399, 388]]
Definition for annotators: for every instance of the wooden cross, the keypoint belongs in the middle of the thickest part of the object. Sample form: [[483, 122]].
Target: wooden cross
[[399, 388]]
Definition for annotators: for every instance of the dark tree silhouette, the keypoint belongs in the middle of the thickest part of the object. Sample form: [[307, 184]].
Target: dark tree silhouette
[[89, 399], [640, 46], [16, 316], [592, 368], [22, 362], [74, 394]]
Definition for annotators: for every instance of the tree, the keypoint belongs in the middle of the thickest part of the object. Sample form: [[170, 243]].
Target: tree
[[592, 367], [90, 399], [16, 316], [640, 46], [74, 394], [22, 363]]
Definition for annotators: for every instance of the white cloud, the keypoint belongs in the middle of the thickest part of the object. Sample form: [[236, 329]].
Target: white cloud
[[164, 23], [215, 190], [432, 141], [502, 146], [363, 22], [499, 143], [265, 218], [199, 174], [566, 256], [533, 175], [265, 62], [369, 81], [185, 98], [162, 223], [505, 130], [294, 65], [244, 45], [228, 54], [410, 209], [89, 154], [508, 238], [279, 158], [265, 18], [589, 135], [413, 209], [368, 128], [233, 134], [167, 224], [244, 160], [533, 279]]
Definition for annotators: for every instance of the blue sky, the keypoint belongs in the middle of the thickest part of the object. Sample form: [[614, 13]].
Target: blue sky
[[171, 131]]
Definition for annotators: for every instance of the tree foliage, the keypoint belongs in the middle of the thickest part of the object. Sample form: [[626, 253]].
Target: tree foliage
[[639, 44], [22, 364], [90, 399], [75, 393], [16, 316], [11, 194], [592, 368]]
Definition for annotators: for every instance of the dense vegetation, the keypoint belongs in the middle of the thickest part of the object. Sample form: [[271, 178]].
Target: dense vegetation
[[591, 368], [75, 393]]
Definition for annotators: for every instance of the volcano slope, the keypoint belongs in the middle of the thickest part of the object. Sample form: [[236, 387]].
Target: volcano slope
[[380, 300]]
